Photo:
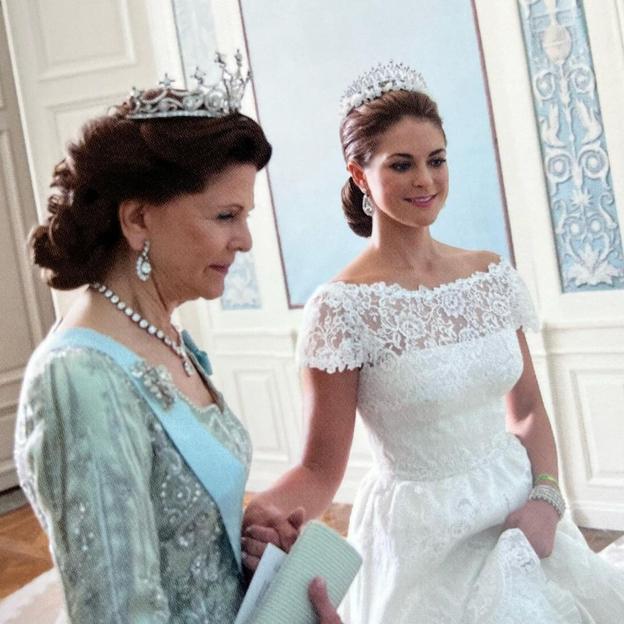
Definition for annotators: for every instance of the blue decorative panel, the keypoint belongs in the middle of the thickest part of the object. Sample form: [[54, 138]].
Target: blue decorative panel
[[241, 286], [574, 149], [195, 27]]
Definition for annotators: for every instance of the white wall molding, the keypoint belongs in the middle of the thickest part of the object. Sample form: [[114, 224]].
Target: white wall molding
[[26, 306], [589, 513], [257, 375], [106, 36], [66, 117], [12, 198]]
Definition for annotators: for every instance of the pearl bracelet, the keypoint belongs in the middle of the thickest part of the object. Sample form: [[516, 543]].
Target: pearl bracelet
[[550, 495]]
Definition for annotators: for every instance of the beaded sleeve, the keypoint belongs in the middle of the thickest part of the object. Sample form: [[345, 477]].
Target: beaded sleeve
[[84, 459]]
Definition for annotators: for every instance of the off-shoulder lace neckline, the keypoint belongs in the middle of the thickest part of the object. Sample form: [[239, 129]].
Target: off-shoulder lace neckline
[[475, 276]]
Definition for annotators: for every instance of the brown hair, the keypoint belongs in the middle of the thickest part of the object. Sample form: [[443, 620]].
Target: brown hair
[[117, 159], [359, 133]]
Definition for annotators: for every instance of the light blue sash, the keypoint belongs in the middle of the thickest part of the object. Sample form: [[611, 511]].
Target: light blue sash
[[222, 475]]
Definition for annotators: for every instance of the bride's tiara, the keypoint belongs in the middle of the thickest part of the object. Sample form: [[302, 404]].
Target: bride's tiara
[[379, 80], [205, 100]]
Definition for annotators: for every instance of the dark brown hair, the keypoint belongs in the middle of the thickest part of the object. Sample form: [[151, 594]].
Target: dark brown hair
[[117, 159], [359, 133]]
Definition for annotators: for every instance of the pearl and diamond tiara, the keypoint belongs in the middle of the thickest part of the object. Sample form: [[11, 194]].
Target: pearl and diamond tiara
[[379, 80], [205, 100]]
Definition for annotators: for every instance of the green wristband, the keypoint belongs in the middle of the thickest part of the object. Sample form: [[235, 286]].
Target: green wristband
[[544, 476]]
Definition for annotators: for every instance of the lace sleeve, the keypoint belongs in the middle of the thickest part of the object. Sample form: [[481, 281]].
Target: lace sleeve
[[84, 457], [523, 312], [331, 337]]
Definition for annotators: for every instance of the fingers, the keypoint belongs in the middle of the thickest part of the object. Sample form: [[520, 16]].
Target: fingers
[[253, 547], [249, 561], [288, 535], [285, 527], [511, 522], [268, 535], [254, 543], [297, 517], [317, 592]]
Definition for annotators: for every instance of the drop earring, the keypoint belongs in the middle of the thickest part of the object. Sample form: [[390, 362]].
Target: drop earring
[[143, 266], [367, 206]]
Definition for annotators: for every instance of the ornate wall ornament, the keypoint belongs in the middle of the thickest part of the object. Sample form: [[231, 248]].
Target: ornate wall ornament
[[573, 144], [241, 285]]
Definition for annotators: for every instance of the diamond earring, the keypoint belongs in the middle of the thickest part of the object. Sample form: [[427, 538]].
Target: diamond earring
[[143, 266], [367, 206]]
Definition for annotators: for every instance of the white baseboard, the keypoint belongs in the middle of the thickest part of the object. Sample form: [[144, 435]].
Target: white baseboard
[[596, 515]]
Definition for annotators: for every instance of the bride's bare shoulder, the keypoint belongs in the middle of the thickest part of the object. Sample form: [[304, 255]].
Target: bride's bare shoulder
[[471, 260], [362, 270]]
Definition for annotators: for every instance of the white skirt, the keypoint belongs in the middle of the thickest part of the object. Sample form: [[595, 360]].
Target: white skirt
[[435, 553]]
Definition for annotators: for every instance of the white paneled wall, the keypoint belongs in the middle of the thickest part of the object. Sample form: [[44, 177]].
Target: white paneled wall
[[26, 308]]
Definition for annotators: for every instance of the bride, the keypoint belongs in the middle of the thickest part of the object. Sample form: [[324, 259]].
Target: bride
[[461, 519]]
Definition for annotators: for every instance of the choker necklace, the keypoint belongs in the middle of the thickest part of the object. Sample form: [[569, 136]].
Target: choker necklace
[[151, 329]]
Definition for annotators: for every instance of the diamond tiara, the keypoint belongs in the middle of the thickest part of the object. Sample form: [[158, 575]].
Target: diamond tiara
[[383, 78], [205, 100]]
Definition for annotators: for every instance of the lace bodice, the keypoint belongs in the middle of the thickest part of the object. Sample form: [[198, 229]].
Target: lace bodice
[[348, 325], [435, 363]]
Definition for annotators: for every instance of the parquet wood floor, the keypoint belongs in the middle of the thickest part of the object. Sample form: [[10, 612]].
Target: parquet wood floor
[[24, 552]]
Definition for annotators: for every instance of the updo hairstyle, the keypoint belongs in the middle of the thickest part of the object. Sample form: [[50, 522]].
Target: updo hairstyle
[[359, 132], [119, 159]]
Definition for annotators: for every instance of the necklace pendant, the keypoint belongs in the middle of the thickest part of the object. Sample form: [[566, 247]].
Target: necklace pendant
[[189, 369]]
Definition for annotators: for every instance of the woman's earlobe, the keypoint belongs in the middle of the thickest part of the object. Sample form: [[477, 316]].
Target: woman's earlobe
[[356, 172], [132, 221]]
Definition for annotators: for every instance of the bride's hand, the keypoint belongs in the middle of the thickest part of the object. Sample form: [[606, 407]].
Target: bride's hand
[[263, 524], [538, 521]]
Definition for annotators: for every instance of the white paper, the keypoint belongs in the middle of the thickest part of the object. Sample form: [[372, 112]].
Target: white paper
[[270, 563]]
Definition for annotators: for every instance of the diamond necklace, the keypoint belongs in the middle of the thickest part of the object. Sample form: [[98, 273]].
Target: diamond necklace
[[150, 328]]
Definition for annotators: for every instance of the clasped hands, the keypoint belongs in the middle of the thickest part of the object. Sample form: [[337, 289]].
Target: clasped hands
[[265, 524]]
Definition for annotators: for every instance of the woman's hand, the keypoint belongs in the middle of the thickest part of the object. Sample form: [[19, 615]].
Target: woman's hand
[[317, 592], [266, 524], [538, 521]]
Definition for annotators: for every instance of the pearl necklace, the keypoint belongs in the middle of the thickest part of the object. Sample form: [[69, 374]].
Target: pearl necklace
[[150, 328]]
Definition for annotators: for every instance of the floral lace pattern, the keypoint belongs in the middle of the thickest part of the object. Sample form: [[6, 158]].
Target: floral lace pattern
[[133, 533], [348, 325]]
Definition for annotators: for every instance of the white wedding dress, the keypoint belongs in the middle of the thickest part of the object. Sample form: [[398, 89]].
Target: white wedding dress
[[435, 367]]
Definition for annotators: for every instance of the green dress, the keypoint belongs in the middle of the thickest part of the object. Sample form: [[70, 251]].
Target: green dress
[[134, 534]]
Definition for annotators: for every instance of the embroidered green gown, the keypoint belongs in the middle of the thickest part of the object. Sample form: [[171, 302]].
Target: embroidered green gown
[[134, 534]]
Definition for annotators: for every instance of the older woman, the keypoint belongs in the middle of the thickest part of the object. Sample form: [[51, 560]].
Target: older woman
[[130, 456]]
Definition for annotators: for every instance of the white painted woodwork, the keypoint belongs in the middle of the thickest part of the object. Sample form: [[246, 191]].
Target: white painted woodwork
[[26, 306]]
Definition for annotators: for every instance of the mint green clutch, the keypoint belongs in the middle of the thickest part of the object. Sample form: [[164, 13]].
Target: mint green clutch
[[319, 551]]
